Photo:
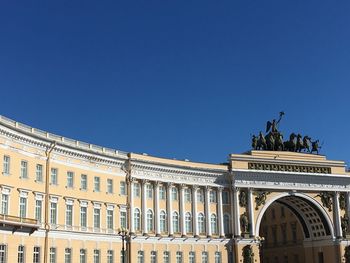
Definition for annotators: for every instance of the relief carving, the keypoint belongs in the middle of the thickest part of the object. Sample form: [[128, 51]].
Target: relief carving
[[326, 199]]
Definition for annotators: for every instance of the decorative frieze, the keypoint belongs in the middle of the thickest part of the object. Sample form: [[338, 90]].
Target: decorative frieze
[[289, 168]]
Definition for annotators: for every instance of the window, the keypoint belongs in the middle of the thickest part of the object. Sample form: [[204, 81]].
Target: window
[[97, 219], [201, 224], [191, 257], [20, 254], [166, 257], [225, 197], [36, 255], [54, 176], [110, 186], [53, 213], [123, 221], [188, 222], [163, 221], [212, 196], [136, 189], [4, 204], [162, 192], [3, 253], [217, 257], [82, 256], [24, 169], [176, 222], [213, 224], [188, 195], [39, 173], [122, 188], [97, 184], [6, 165], [149, 191], [110, 219], [137, 220], [83, 182], [200, 195], [38, 209], [83, 217], [110, 256], [52, 255], [149, 220], [22, 207], [204, 257], [226, 224], [97, 256], [70, 179], [140, 256], [178, 257], [174, 194], [69, 215], [153, 256], [68, 255]]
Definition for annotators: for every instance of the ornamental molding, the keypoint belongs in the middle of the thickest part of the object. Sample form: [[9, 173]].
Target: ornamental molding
[[289, 180]]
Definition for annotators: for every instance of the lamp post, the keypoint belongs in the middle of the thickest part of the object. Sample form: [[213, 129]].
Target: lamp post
[[123, 232]]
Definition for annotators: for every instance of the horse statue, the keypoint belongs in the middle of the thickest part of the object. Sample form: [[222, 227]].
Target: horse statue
[[261, 142], [307, 143], [300, 143], [315, 146], [254, 142], [270, 141], [279, 146], [291, 144]]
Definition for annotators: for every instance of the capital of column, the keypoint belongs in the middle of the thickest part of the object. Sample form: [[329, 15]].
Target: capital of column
[[220, 189], [144, 181], [169, 184]]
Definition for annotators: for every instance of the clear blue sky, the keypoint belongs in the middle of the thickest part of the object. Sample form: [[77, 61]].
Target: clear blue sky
[[178, 79]]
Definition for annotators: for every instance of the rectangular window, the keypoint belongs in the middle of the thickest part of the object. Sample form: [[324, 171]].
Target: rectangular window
[[200, 195], [39, 173], [6, 165], [22, 207], [217, 257], [110, 256], [162, 192], [188, 195], [3, 253], [225, 197], [97, 218], [110, 186], [67, 255], [83, 217], [53, 213], [54, 176], [204, 257], [110, 219], [82, 256], [83, 182], [4, 204], [97, 256], [24, 169], [166, 257], [178, 257], [20, 254], [136, 189], [149, 191], [69, 215], [97, 184], [36, 255], [140, 258], [53, 255], [122, 188], [70, 179], [38, 210], [174, 195], [212, 196], [192, 257], [123, 219], [153, 256]]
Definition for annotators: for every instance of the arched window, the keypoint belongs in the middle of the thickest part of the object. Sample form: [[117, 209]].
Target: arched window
[[213, 224], [150, 220], [137, 220], [201, 223], [163, 223], [188, 222], [226, 224], [176, 222]]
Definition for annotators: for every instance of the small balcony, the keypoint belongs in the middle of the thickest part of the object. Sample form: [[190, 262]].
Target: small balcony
[[20, 224]]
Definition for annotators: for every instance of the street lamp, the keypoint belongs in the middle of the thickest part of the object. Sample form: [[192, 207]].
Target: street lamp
[[123, 232]]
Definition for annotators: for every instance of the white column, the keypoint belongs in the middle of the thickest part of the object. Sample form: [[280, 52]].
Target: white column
[[207, 210], [144, 208], [220, 213], [131, 206], [336, 215], [236, 214], [251, 212], [169, 209], [194, 210], [182, 210], [156, 208]]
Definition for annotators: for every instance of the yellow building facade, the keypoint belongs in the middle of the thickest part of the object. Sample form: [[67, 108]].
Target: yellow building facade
[[64, 200]]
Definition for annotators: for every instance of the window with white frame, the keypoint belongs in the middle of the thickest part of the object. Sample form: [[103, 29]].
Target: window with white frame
[[67, 255], [162, 192], [110, 186], [150, 222], [188, 195], [137, 219], [226, 224], [176, 222], [39, 173], [5, 197], [200, 195], [179, 257], [83, 215], [20, 254], [212, 196], [36, 255], [191, 257], [54, 176], [217, 257], [97, 256], [110, 218], [149, 191], [110, 256], [97, 187], [122, 188], [174, 193], [163, 221], [213, 224], [205, 257], [225, 197], [97, 217], [52, 257], [3, 253], [153, 256], [38, 207], [188, 222], [53, 211], [136, 189], [6, 165], [82, 256], [166, 257], [24, 169], [70, 179], [83, 182], [123, 219], [201, 224], [69, 213], [23, 205], [140, 256]]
